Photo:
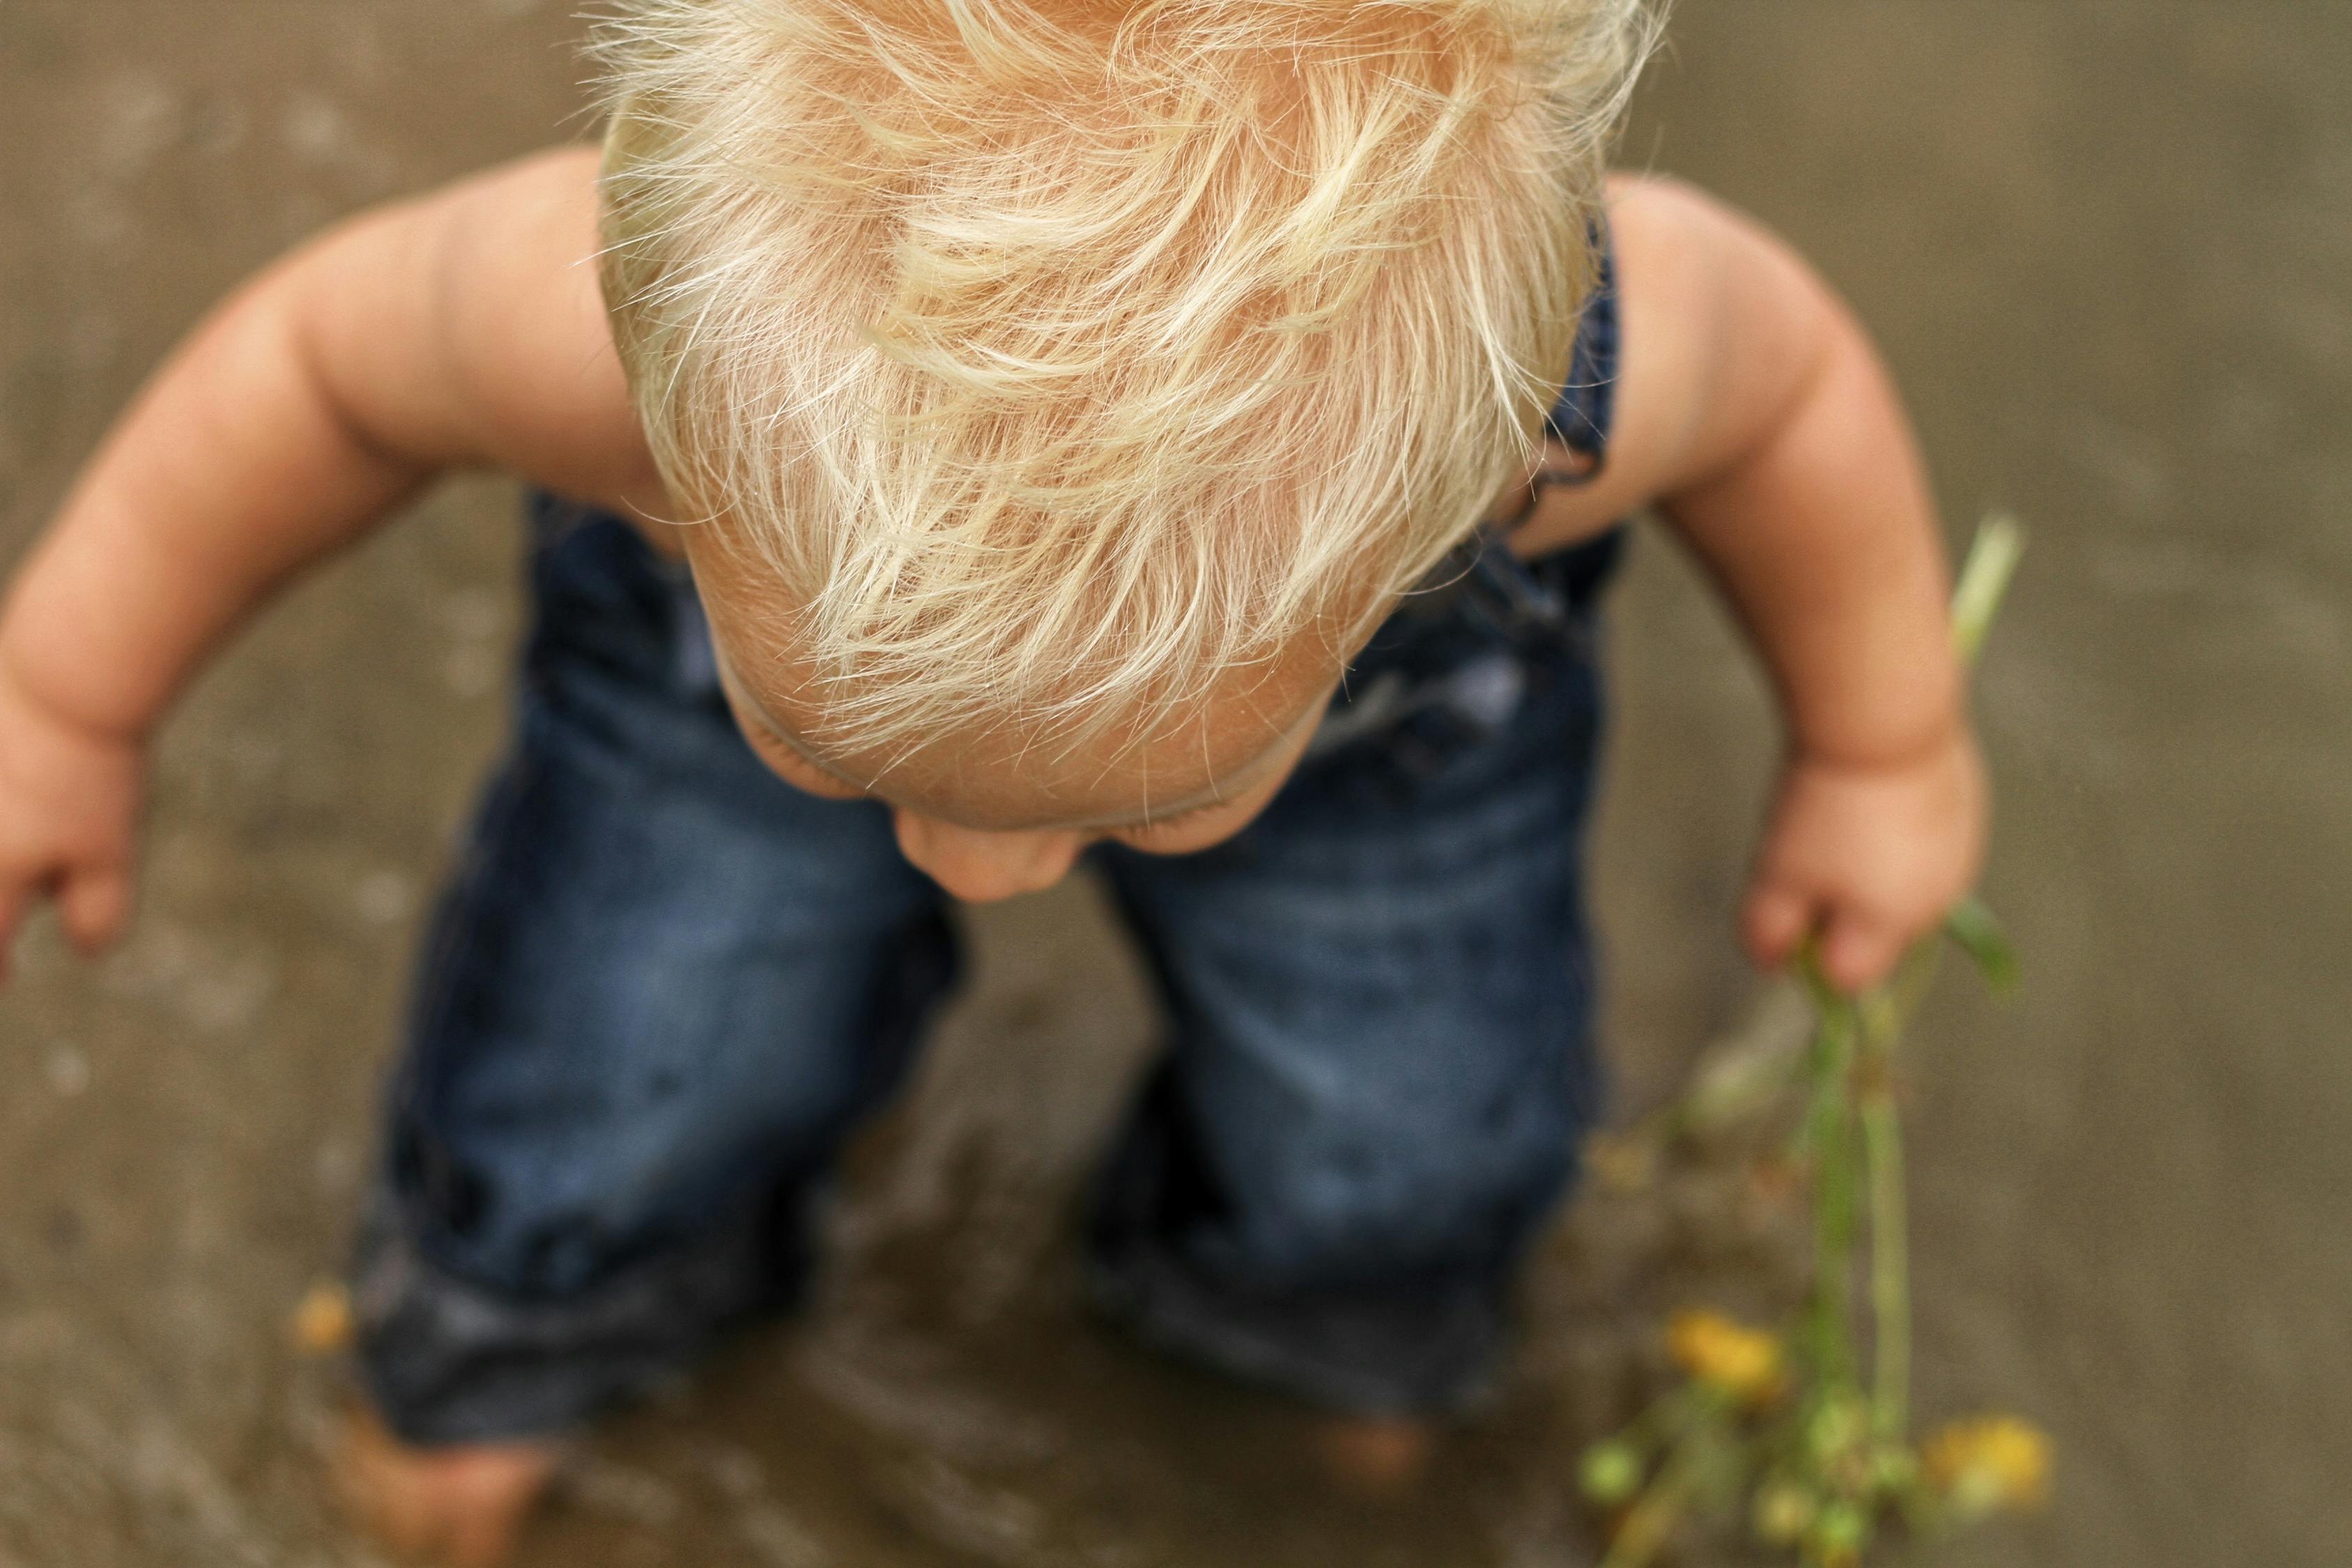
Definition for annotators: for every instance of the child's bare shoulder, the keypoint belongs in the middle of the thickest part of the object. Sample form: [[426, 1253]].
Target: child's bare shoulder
[[527, 311], [485, 330], [1721, 324]]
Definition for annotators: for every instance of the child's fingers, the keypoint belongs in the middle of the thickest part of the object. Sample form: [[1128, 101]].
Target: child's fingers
[[1774, 921], [95, 905], [1859, 951]]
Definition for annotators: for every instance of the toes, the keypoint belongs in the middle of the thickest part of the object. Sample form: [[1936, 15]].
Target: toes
[[1381, 1456], [464, 1507]]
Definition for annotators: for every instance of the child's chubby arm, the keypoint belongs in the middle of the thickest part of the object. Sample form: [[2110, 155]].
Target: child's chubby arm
[[465, 329], [1754, 415]]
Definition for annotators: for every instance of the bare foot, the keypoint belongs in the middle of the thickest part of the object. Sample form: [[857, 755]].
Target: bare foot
[[1383, 1455], [463, 1505]]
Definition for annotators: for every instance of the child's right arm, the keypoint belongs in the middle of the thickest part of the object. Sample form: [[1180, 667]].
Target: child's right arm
[[463, 329]]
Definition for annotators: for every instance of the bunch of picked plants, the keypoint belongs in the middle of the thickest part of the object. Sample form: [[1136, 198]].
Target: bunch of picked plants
[[1804, 1432]]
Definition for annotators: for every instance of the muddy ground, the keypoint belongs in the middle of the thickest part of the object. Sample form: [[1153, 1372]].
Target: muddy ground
[[2108, 247]]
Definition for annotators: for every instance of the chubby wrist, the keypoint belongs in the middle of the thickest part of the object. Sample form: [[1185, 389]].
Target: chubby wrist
[[26, 695], [1925, 735]]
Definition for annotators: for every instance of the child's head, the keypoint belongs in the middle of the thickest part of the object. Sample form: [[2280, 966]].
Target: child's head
[[1067, 387]]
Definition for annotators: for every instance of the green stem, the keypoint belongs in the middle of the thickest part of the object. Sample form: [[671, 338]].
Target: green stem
[[1828, 1125], [1666, 1421], [1890, 1266], [1651, 1521], [1884, 1016]]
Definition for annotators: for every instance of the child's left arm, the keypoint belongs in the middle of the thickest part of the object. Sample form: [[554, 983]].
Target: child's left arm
[[1754, 415]]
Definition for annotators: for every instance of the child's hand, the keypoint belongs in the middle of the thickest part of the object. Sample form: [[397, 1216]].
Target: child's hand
[[1868, 857], [68, 814]]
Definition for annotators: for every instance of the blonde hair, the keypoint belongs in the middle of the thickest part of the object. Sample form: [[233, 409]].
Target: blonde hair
[[1060, 356]]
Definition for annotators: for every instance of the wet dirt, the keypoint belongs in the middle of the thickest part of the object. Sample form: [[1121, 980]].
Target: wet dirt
[[2106, 245]]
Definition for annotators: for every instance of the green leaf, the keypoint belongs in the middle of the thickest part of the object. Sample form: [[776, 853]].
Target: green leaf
[[1980, 935], [1984, 583]]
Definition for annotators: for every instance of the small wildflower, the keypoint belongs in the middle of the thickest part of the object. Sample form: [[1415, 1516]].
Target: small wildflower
[[322, 1324], [1610, 1473], [1835, 1430], [1839, 1535], [1784, 1511], [1989, 1464], [1894, 1472], [1726, 1356]]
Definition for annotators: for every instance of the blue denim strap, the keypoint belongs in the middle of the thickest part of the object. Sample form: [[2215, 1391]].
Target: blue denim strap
[[1587, 409]]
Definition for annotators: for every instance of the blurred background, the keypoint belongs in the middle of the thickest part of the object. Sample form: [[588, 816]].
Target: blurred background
[[2108, 246]]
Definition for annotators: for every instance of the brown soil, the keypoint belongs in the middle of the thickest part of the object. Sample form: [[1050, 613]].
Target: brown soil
[[2105, 245]]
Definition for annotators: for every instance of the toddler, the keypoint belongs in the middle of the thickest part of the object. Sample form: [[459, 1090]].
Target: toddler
[[970, 436]]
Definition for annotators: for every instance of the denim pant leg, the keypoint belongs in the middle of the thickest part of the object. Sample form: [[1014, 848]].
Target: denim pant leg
[[660, 991], [1381, 1063]]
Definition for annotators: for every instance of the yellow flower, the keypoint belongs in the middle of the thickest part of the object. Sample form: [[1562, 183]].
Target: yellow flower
[[322, 1324], [1990, 1463], [1728, 1356], [1782, 1513]]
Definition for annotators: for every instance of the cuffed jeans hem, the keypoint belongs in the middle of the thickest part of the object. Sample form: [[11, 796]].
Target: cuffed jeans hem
[[1423, 1352], [447, 1361]]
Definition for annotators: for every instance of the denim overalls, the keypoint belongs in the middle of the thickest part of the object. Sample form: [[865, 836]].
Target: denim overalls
[[664, 986]]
